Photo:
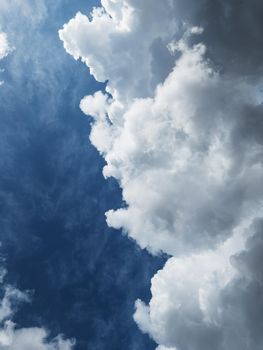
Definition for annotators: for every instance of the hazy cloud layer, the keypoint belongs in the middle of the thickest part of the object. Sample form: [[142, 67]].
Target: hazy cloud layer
[[180, 127]]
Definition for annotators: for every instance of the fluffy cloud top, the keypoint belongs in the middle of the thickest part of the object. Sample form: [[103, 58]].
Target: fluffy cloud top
[[180, 127], [112, 45], [188, 133]]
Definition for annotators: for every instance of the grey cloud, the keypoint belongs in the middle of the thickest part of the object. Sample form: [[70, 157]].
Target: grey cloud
[[250, 261], [232, 32], [162, 61], [219, 307]]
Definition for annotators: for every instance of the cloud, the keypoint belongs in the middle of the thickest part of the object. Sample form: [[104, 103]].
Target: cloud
[[29, 339], [232, 33], [15, 338], [5, 48], [121, 54], [180, 128], [202, 198], [209, 300]]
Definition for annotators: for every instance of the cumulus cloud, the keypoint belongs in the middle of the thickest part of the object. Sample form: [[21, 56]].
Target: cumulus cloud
[[15, 338], [188, 133], [210, 300], [180, 128], [112, 45]]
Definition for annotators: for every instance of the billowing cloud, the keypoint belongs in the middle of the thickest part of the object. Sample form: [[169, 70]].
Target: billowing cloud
[[113, 47], [210, 300], [15, 338], [180, 128], [188, 133]]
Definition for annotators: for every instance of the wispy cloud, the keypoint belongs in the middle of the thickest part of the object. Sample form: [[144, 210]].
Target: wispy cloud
[[13, 337], [5, 49]]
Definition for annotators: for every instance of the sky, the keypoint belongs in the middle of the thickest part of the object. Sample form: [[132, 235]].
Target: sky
[[76, 273], [131, 175]]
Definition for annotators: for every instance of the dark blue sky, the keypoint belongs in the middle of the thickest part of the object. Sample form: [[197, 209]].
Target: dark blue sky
[[84, 277]]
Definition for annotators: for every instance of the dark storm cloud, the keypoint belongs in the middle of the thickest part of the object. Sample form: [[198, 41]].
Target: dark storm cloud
[[242, 298], [232, 32]]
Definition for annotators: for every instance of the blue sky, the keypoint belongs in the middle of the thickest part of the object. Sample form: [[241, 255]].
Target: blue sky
[[84, 277], [131, 175]]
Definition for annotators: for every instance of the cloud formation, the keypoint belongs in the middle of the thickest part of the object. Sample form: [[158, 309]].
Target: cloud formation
[[180, 127], [121, 54], [15, 338], [189, 133], [209, 300]]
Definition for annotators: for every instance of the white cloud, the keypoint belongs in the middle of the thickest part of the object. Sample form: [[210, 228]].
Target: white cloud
[[29, 339], [183, 134], [209, 300], [184, 140], [187, 137], [5, 47], [32, 338], [112, 45]]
